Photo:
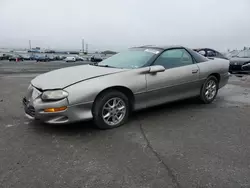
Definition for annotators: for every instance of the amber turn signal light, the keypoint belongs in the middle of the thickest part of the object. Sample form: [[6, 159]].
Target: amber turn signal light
[[55, 109]]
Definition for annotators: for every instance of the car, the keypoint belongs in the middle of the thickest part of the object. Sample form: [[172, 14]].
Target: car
[[232, 53], [5, 56], [210, 53], [1, 56], [60, 57], [70, 59], [96, 58], [26, 57], [240, 63], [79, 58], [33, 56], [52, 57], [42, 58], [16, 57], [134, 79]]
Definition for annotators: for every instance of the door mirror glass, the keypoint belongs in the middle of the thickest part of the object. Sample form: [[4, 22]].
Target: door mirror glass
[[156, 68]]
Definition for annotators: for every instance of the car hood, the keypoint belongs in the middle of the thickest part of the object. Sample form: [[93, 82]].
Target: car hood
[[239, 60], [61, 78]]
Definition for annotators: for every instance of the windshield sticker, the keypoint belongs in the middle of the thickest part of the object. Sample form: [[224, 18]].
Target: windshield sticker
[[152, 51]]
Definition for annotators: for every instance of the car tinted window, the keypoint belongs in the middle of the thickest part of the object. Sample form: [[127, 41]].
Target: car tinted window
[[202, 52], [197, 57], [174, 58], [211, 53], [244, 54]]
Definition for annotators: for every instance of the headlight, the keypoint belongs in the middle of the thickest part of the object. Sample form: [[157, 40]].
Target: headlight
[[54, 95], [245, 66]]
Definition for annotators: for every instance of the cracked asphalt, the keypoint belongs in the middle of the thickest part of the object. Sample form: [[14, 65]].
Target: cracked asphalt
[[182, 144]]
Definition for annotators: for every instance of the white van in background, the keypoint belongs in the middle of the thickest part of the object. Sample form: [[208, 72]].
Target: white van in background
[[70, 59]]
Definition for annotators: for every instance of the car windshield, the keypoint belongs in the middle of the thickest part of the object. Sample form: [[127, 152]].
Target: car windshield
[[244, 54], [130, 59]]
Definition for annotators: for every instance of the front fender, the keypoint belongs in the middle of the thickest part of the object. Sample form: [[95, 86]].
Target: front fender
[[86, 91]]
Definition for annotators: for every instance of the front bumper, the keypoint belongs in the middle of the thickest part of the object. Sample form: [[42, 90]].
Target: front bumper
[[34, 109]]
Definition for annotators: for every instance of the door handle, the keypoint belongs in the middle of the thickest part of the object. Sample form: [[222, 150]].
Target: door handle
[[195, 71]]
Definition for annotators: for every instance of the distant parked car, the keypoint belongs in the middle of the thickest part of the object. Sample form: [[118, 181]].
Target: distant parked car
[[5, 57], [79, 58], [42, 58], [52, 57], [15, 58], [58, 58], [1, 56], [26, 57], [96, 58], [70, 59], [32, 56], [230, 54], [61, 57], [210, 53], [240, 63]]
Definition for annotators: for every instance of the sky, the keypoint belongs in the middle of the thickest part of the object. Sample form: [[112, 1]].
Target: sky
[[119, 24]]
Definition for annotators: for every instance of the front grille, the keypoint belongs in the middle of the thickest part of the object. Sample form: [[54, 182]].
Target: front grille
[[30, 110], [29, 92], [25, 102]]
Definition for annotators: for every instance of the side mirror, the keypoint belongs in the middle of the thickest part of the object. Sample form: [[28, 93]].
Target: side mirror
[[156, 68]]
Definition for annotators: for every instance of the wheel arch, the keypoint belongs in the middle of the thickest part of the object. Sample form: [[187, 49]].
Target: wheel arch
[[216, 75], [125, 90]]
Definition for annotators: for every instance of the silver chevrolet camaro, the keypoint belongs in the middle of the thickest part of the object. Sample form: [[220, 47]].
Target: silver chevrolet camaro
[[137, 78]]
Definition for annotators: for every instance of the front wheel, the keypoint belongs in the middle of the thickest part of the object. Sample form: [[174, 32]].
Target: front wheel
[[111, 109], [209, 90]]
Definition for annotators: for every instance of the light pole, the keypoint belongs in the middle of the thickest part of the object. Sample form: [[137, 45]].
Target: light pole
[[30, 44], [87, 48], [82, 45]]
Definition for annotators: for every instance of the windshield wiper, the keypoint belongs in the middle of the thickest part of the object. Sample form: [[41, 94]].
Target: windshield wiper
[[98, 65], [105, 66]]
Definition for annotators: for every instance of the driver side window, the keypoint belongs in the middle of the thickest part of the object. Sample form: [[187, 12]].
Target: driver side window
[[174, 58]]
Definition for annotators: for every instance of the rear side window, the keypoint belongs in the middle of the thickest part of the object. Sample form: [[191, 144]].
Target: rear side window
[[197, 57]]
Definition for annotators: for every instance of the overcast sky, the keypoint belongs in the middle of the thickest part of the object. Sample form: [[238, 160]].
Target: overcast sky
[[118, 24]]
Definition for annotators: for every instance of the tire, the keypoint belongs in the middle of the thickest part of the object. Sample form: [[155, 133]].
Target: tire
[[99, 111], [207, 99]]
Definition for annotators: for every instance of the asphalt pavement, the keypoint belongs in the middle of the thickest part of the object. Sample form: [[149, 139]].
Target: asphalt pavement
[[182, 144], [21, 67]]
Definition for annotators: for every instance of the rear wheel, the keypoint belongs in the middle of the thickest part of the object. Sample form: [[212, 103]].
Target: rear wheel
[[111, 109], [209, 90]]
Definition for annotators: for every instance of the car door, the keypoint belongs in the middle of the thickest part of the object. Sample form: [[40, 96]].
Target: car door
[[179, 80]]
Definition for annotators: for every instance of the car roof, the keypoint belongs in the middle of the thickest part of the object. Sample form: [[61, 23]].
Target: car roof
[[205, 49], [160, 47]]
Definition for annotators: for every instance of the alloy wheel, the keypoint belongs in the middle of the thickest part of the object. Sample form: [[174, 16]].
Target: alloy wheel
[[113, 111], [210, 90]]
